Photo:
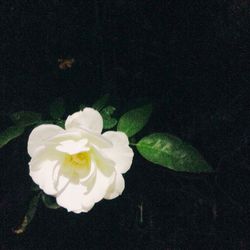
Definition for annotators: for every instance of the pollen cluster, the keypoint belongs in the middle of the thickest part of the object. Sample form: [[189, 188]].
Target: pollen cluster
[[79, 160]]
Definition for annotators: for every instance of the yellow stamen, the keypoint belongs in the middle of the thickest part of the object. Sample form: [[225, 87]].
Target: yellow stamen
[[80, 160]]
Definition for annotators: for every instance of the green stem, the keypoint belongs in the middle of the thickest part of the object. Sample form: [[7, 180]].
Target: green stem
[[29, 214]]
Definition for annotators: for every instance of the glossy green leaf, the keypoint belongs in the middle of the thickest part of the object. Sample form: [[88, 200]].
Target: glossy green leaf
[[134, 120], [49, 202], [26, 118], [57, 108], [171, 152], [10, 134], [108, 121], [100, 103]]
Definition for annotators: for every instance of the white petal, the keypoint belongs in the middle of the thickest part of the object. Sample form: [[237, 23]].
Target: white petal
[[77, 134], [40, 135], [86, 174], [72, 198], [100, 186], [67, 173], [99, 183], [66, 135], [61, 181], [73, 191], [116, 188], [117, 137], [120, 153], [42, 171], [89, 119], [102, 162], [44, 154], [73, 147], [96, 139]]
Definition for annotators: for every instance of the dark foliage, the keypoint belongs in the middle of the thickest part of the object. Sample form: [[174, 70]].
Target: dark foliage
[[190, 59]]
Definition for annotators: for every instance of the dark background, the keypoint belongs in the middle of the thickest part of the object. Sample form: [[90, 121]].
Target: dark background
[[191, 60]]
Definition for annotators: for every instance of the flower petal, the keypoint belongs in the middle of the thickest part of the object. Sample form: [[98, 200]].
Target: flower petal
[[42, 171], [120, 153], [89, 119], [73, 147], [61, 181], [116, 188], [96, 139], [72, 198], [99, 183], [66, 135], [78, 134], [117, 137], [40, 135], [102, 162], [100, 186]]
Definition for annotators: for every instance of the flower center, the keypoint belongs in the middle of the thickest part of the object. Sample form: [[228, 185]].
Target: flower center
[[79, 160]]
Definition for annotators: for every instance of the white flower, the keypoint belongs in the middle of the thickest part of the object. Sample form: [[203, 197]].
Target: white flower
[[79, 165]]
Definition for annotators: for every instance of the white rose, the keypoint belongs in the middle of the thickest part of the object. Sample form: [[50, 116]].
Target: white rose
[[79, 165]]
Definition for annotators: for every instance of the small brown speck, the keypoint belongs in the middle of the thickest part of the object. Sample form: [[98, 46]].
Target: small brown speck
[[65, 63]]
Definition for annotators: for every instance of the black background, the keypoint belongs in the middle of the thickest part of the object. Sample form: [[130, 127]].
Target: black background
[[190, 59]]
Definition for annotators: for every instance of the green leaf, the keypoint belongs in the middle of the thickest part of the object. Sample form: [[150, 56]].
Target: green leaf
[[108, 121], [29, 214], [26, 118], [134, 120], [49, 202], [109, 110], [57, 108], [60, 123], [35, 187], [82, 106], [10, 134], [171, 152], [100, 103]]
